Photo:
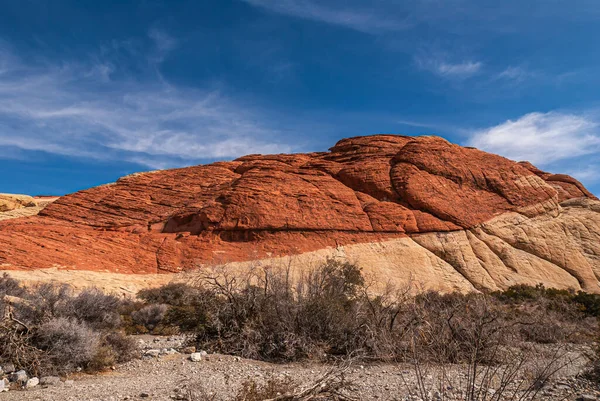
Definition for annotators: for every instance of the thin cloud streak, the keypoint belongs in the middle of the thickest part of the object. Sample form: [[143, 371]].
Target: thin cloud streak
[[367, 20], [75, 109], [456, 16], [445, 69]]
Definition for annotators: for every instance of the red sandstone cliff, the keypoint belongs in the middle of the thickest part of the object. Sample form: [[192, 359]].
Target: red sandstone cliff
[[404, 208]]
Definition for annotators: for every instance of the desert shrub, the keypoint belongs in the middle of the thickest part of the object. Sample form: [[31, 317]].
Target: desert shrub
[[330, 311], [100, 311], [267, 316], [113, 348], [69, 344], [16, 347], [548, 315], [251, 390], [187, 305], [586, 303], [43, 301], [150, 316], [175, 294], [104, 358], [51, 330], [10, 286], [520, 293], [123, 347], [543, 332], [589, 304], [456, 328]]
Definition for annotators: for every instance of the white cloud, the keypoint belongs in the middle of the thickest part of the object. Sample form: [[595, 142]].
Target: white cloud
[[456, 16], [76, 109], [541, 138], [556, 142], [439, 66], [519, 74], [358, 17], [466, 68], [514, 73]]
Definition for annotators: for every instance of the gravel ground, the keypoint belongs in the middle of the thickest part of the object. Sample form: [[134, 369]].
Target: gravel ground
[[169, 376]]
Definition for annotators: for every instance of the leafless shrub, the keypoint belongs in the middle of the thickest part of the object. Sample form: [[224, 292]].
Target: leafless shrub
[[515, 374], [457, 329], [69, 343], [333, 385], [150, 316], [10, 286], [252, 390], [16, 347], [266, 315], [174, 294], [98, 310], [104, 357], [46, 300], [123, 347], [196, 392]]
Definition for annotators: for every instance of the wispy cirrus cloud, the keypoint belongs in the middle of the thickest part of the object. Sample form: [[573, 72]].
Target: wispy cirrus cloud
[[78, 109], [561, 142], [440, 66], [463, 24], [368, 19], [455, 16], [516, 74]]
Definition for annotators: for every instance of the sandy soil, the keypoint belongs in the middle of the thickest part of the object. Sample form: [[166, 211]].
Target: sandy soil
[[171, 376]]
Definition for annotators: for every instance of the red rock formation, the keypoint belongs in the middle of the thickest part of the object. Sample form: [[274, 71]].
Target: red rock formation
[[365, 190]]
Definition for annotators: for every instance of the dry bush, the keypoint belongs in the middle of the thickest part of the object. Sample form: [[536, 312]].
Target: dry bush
[[48, 329], [45, 301], [104, 358], [330, 310], [16, 347], [332, 385], [457, 328], [150, 316], [267, 316], [10, 286], [187, 305], [519, 374], [69, 344], [113, 348], [123, 347], [175, 294], [100, 311], [251, 390]]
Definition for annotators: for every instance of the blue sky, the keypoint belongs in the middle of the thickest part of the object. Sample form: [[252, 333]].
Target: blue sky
[[93, 90]]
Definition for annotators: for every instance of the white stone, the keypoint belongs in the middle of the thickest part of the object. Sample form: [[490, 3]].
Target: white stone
[[34, 381]]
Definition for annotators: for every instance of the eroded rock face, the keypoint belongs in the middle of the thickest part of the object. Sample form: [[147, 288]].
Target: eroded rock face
[[10, 202], [404, 208], [15, 206]]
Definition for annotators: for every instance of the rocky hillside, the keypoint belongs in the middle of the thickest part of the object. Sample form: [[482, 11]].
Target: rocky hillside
[[13, 206], [406, 209]]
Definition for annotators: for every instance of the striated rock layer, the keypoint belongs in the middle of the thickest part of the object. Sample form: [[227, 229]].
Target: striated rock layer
[[406, 209]]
